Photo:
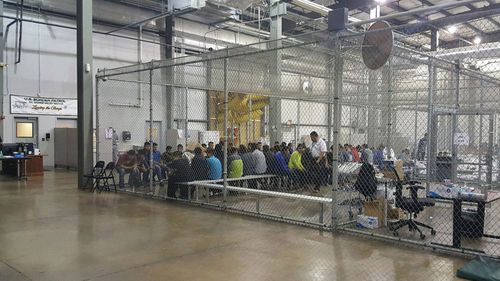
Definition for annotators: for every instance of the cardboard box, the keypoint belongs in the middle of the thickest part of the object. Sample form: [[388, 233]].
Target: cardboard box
[[374, 208], [367, 222], [389, 173], [395, 214]]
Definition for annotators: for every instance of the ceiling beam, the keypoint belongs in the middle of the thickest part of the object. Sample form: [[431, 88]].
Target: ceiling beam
[[447, 14], [453, 19], [487, 38]]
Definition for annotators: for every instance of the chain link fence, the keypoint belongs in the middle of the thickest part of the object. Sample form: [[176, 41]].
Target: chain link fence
[[300, 130]]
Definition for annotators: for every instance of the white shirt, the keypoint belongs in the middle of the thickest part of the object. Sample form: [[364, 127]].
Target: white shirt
[[317, 148]]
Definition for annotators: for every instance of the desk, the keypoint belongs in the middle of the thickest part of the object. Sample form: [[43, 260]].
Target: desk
[[20, 168], [458, 221], [35, 165]]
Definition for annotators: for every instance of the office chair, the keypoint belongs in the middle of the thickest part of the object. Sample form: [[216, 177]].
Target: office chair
[[366, 182], [412, 205]]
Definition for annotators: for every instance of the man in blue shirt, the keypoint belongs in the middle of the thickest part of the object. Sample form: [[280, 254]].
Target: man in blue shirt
[[215, 165]]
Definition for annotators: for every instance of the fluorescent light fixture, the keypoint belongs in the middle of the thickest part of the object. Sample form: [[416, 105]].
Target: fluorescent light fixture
[[317, 8], [313, 7], [380, 1], [477, 40], [452, 29]]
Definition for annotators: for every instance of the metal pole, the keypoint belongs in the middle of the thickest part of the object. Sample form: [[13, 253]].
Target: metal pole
[[151, 162], [337, 92], [415, 139], [489, 158], [481, 127], [97, 127], [430, 118], [186, 119], [454, 125], [297, 132], [226, 139], [250, 120]]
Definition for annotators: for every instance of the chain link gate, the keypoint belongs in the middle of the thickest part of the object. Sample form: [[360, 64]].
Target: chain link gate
[[301, 131]]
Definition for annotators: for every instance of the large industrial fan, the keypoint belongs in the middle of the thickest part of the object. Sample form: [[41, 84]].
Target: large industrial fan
[[377, 45]]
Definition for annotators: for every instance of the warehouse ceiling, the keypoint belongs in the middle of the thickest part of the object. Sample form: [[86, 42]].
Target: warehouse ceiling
[[460, 26]]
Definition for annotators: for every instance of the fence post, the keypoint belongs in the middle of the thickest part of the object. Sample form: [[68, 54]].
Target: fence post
[[430, 124], [97, 128], [454, 124], [337, 92], [151, 162], [226, 93]]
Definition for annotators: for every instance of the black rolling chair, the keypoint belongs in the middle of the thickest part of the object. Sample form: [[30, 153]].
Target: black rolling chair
[[366, 182], [412, 205]]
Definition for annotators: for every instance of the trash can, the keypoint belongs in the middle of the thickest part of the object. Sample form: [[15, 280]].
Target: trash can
[[444, 165], [472, 225]]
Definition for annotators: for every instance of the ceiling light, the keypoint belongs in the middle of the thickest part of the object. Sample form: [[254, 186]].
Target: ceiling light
[[452, 29], [477, 40], [380, 1]]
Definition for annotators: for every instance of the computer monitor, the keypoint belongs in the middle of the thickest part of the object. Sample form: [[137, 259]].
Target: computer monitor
[[8, 149]]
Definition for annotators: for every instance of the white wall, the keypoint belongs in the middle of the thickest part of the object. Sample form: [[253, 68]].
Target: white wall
[[48, 69]]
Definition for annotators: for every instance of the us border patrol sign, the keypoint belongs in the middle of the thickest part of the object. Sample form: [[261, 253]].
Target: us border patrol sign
[[43, 106]]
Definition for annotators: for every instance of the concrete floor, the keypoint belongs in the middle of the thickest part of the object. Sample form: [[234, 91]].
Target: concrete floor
[[49, 230]]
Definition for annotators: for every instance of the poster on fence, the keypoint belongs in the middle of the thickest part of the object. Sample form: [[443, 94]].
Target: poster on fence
[[43, 106], [461, 139]]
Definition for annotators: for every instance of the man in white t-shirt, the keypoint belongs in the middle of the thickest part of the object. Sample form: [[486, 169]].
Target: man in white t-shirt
[[318, 147], [319, 172]]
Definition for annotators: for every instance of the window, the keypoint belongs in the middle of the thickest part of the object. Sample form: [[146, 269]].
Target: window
[[24, 130]]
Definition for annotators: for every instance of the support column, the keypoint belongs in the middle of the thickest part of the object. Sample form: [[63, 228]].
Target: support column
[[85, 88], [277, 10], [2, 46], [167, 74]]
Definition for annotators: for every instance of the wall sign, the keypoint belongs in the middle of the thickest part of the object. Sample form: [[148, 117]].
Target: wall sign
[[43, 106]]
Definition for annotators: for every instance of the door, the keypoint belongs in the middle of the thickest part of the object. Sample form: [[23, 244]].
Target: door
[[156, 134], [66, 123], [26, 130], [464, 147]]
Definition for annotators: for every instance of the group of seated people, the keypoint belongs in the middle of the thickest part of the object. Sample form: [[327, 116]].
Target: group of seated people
[[299, 166]]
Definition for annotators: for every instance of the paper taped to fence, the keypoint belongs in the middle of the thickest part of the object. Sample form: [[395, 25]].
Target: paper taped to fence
[[461, 139], [43, 106]]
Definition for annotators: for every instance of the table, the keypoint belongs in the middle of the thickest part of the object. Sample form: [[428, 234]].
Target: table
[[458, 222], [21, 173]]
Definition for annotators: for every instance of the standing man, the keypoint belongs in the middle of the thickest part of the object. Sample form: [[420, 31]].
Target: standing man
[[318, 152], [115, 139], [422, 147], [367, 154]]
